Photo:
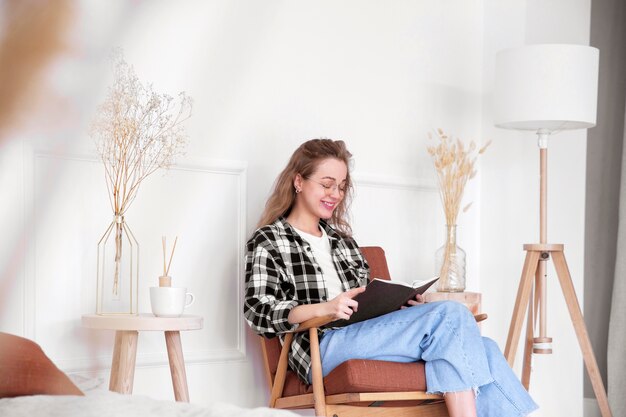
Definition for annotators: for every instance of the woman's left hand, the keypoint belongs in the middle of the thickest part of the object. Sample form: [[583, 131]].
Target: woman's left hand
[[419, 299]]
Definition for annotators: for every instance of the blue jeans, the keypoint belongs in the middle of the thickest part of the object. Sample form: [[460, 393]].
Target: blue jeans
[[445, 336]]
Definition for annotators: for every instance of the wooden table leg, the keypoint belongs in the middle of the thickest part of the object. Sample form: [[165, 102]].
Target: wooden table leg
[[123, 364], [177, 365], [115, 369]]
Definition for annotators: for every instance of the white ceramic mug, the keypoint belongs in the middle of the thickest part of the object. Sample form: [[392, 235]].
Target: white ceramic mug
[[170, 301]]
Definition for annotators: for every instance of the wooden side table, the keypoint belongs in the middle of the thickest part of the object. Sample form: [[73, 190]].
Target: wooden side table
[[471, 300], [127, 328]]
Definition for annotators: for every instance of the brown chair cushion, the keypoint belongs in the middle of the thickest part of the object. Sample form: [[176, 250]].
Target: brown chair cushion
[[26, 370], [358, 375]]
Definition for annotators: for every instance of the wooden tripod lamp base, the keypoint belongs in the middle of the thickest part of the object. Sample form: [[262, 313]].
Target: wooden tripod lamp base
[[534, 254]]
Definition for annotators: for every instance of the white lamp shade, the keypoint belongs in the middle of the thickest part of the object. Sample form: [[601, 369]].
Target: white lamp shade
[[550, 86]]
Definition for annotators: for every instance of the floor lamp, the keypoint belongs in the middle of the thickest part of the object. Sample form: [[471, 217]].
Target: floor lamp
[[547, 89]]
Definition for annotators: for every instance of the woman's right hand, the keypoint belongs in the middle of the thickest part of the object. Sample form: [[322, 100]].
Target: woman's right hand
[[343, 305], [340, 307]]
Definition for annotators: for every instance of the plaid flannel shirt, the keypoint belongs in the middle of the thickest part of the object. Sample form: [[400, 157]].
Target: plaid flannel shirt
[[281, 273]]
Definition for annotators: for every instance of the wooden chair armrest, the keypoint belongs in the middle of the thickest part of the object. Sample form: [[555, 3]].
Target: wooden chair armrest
[[313, 323]]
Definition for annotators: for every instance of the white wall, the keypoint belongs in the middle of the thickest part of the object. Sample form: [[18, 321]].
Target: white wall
[[265, 76]]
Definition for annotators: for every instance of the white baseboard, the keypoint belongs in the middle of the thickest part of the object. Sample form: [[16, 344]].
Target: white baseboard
[[590, 408]]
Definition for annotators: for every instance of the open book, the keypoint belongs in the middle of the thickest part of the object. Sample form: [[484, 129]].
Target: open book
[[381, 297]]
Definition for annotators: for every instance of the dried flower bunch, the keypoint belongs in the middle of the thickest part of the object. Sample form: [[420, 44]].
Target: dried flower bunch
[[454, 164], [137, 131]]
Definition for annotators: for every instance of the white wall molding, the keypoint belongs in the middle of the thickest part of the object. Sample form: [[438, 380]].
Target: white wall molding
[[400, 183], [37, 181], [149, 360]]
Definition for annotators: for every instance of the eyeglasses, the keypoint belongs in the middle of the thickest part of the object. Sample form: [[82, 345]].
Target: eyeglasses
[[331, 186]]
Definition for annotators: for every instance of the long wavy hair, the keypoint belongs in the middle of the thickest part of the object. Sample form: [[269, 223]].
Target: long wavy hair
[[304, 161]]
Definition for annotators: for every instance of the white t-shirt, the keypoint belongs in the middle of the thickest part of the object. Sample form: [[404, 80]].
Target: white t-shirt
[[321, 251]]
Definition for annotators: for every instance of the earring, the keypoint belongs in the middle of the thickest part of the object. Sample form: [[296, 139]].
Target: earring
[[298, 190]]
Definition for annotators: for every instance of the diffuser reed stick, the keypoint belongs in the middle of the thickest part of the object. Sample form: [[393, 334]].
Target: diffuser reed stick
[[163, 240], [171, 256], [165, 280]]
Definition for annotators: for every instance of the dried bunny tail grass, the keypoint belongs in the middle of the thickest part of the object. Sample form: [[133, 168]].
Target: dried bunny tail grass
[[484, 148], [454, 164], [33, 34]]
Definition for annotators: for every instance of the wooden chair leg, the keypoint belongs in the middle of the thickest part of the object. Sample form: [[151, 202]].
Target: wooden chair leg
[[281, 372], [177, 365], [316, 372]]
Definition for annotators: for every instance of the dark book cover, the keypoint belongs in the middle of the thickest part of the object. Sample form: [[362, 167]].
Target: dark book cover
[[382, 297]]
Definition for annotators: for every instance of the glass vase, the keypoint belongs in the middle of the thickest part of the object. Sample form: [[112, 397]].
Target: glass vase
[[118, 270], [450, 264]]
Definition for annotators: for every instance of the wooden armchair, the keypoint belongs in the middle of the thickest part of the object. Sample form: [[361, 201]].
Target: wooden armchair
[[356, 387]]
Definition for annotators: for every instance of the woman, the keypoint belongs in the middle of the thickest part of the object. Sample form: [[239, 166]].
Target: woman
[[302, 263]]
